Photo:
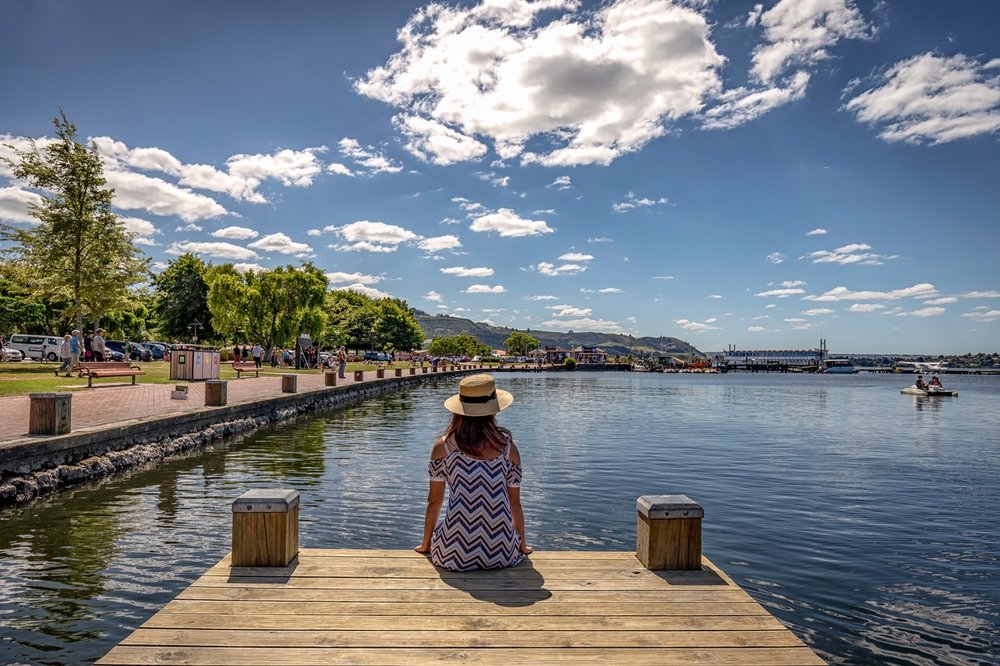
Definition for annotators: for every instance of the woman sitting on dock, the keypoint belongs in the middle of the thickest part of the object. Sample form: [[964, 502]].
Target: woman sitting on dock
[[483, 527]]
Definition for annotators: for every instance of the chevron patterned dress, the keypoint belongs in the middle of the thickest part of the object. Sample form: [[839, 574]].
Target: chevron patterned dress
[[478, 528]]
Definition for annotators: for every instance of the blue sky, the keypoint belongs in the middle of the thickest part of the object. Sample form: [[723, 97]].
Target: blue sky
[[760, 175]]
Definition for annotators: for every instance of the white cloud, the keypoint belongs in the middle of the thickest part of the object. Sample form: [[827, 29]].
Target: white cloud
[[780, 293], [561, 183], [338, 277], [922, 312], [569, 311], [450, 220], [339, 169], [756, 329], [14, 204], [944, 300], [932, 99], [367, 236], [599, 239], [695, 326], [136, 191], [586, 86], [793, 283], [484, 289], [433, 297], [801, 32], [844, 294], [818, 231], [493, 179], [741, 105], [235, 233], [855, 253], [663, 277], [983, 315], [609, 290], [770, 305], [462, 271], [509, 224], [715, 296], [370, 292], [775, 258], [244, 267], [314, 232], [866, 307], [144, 230], [992, 293], [541, 297], [435, 142], [584, 324], [576, 256], [190, 226], [282, 244], [632, 201], [551, 270], [220, 250], [438, 243], [816, 312], [368, 158]]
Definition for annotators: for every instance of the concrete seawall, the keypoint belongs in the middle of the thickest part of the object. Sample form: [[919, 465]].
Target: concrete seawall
[[35, 466]]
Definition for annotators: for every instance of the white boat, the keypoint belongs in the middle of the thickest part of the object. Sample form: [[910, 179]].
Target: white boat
[[929, 392], [837, 366]]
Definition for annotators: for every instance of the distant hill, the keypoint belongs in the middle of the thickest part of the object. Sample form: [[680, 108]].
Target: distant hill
[[436, 326]]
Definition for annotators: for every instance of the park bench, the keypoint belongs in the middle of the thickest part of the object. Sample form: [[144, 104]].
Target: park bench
[[249, 366], [108, 369]]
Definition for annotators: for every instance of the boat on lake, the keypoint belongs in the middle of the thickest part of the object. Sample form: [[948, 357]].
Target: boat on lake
[[929, 392], [837, 366]]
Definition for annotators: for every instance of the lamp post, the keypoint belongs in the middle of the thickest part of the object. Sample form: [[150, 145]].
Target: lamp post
[[193, 326]]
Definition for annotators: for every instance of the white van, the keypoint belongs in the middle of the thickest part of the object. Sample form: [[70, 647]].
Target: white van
[[38, 347]]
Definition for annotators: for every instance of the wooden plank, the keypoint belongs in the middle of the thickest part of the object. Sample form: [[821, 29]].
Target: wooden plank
[[464, 623], [460, 608], [410, 656], [381, 638], [355, 553], [453, 595]]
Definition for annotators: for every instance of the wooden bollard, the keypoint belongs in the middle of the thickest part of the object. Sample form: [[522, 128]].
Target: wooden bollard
[[50, 413], [289, 383], [413, 371], [265, 528], [216, 393], [669, 532], [398, 372], [380, 373], [423, 370], [359, 375], [330, 378]]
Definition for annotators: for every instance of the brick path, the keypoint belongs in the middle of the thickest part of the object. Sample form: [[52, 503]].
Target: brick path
[[108, 404]]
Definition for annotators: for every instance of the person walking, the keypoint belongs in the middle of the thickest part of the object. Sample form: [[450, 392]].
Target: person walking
[[341, 363], [257, 353], [64, 356], [478, 461], [75, 349], [98, 344], [88, 347]]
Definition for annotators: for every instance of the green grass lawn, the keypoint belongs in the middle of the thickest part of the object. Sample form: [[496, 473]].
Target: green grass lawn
[[30, 377]]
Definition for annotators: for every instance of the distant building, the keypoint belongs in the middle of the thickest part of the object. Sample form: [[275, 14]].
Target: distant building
[[582, 355], [792, 358]]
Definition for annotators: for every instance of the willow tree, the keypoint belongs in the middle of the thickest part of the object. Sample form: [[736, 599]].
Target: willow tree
[[79, 250], [181, 298], [267, 306]]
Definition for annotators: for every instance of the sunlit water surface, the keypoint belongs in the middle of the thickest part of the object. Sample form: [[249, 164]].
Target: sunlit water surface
[[867, 521]]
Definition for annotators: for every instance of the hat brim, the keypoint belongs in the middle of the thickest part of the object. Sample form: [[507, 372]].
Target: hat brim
[[455, 405]]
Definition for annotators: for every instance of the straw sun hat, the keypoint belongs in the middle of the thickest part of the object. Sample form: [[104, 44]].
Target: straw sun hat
[[478, 395]]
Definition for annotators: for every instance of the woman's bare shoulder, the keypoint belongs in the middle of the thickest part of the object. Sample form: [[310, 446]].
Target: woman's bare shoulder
[[514, 455], [440, 450]]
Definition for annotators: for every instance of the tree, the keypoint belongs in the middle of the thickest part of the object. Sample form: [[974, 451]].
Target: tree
[[359, 322], [79, 251], [182, 298], [519, 344], [463, 344], [395, 327], [269, 307]]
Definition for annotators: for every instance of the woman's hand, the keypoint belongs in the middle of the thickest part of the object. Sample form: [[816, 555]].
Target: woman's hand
[[526, 549], [423, 548]]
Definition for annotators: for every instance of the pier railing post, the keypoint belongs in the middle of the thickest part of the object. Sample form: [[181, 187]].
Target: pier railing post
[[359, 375], [50, 413], [330, 378], [216, 393], [289, 383], [669, 532], [265, 528]]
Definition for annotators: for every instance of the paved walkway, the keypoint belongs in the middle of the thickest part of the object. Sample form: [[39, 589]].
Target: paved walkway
[[107, 404]]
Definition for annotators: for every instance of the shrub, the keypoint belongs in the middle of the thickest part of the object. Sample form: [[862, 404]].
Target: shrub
[[569, 363]]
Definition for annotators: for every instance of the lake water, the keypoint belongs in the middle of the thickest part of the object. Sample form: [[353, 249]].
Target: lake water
[[867, 521]]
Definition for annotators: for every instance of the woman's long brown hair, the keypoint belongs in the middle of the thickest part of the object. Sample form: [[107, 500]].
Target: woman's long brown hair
[[473, 434]]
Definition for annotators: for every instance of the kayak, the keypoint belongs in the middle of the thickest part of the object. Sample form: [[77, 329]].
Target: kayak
[[932, 392]]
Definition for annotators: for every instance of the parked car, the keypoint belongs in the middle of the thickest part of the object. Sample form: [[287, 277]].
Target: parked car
[[157, 349], [39, 347], [376, 356], [8, 354], [133, 351]]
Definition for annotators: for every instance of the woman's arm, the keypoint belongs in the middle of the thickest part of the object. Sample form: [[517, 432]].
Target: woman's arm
[[435, 498], [514, 492]]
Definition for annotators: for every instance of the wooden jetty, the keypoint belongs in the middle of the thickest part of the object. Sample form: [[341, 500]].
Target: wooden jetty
[[395, 607]]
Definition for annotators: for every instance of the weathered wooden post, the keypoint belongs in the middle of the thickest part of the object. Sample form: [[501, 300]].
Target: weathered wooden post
[[265, 528], [216, 393], [330, 378], [423, 369], [669, 532], [413, 370], [289, 383], [50, 413], [398, 372], [380, 373], [359, 375]]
